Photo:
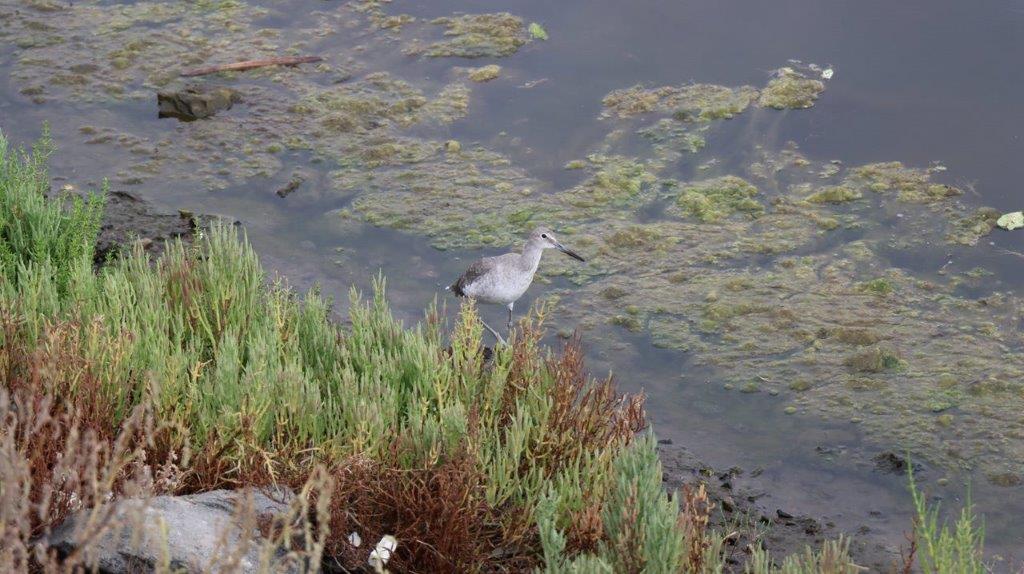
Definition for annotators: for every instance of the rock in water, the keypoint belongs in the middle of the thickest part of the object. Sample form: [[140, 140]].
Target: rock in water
[[185, 532], [195, 102], [892, 463]]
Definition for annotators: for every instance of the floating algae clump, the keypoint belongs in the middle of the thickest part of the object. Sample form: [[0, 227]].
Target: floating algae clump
[[616, 181], [879, 286], [633, 237], [712, 200], [613, 292], [479, 36], [671, 139], [450, 104], [695, 102], [790, 89], [725, 310], [467, 199], [855, 336], [537, 32], [485, 73], [380, 101], [873, 360], [631, 323], [929, 193], [375, 99], [968, 229], [886, 176], [673, 134], [834, 194]]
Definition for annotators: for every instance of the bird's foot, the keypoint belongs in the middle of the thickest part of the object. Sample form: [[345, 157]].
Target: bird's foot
[[497, 336]]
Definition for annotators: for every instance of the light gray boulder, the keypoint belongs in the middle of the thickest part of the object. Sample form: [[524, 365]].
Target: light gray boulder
[[192, 533]]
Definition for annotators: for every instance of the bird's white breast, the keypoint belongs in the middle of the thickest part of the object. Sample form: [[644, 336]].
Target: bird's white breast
[[499, 287]]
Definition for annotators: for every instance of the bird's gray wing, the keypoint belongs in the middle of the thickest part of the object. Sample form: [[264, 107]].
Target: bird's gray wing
[[474, 272]]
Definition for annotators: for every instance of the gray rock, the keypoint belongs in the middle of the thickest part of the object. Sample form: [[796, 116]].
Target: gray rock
[[195, 102], [185, 532]]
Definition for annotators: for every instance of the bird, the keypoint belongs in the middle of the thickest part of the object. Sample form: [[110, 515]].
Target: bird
[[503, 279]]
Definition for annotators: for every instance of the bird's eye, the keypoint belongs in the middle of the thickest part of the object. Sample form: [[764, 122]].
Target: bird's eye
[[544, 235]]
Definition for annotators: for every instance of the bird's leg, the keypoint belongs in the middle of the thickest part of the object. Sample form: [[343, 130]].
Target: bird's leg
[[510, 316], [493, 332]]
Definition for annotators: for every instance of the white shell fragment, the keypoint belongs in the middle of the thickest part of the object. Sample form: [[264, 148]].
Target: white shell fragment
[[382, 553], [827, 73], [355, 540]]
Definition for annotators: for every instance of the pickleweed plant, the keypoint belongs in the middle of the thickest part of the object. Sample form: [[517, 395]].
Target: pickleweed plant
[[35, 228], [943, 548]]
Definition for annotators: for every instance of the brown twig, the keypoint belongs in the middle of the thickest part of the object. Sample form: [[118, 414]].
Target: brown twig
[[910, 555], [250, 64]]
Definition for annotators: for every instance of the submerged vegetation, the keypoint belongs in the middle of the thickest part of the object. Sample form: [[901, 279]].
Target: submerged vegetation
[[834, 194], [790, 89], [480, 36], [485, 73], [713, 200], [692, 102]]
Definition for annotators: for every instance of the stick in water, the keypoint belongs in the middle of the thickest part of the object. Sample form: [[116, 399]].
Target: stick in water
[[250, 64]]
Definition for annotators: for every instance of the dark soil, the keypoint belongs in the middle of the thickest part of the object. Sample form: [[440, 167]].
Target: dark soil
[[780, 532], [128, 218], [892, 463]]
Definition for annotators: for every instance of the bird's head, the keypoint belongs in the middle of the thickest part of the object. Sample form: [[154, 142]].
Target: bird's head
[[547, 240]]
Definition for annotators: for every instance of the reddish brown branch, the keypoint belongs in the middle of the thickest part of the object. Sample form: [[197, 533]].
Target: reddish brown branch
[[909, 556], [250, 64]]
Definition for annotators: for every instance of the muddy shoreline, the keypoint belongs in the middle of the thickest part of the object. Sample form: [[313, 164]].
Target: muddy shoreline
[[130, 221], [739, 511]]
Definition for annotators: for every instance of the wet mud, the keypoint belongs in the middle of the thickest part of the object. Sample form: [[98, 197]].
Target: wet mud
[[739, 509]]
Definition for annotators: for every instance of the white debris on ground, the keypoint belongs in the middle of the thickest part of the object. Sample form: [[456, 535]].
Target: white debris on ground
[[382, 553]]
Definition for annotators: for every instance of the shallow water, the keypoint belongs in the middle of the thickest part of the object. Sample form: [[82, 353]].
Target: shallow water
[[917, 82]]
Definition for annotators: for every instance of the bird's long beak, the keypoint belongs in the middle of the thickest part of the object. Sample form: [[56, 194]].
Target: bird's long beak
[[569, 252]]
